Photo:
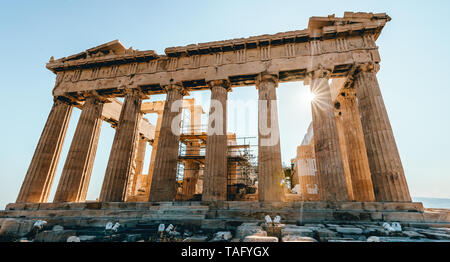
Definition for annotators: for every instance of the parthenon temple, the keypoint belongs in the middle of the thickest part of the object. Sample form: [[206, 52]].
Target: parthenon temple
[[348, 160]]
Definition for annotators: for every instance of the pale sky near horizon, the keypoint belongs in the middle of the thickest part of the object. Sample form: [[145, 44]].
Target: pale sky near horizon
[[414, 49]]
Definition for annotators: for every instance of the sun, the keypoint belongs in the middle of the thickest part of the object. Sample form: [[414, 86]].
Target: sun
[[310, 96]]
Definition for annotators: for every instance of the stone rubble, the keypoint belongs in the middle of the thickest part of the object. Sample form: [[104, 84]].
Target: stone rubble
[[23, 231]]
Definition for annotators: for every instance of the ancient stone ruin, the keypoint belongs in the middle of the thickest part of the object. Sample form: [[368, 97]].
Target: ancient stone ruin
[[348, 169]]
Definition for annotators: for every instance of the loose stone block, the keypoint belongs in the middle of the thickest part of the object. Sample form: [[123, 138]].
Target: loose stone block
[[16, 227], [298, 231], [295, 238], [349, 230], [246, 230], [257, 238], [54, 236]]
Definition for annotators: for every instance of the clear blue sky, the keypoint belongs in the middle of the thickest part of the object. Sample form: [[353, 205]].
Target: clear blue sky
[[414, 48]]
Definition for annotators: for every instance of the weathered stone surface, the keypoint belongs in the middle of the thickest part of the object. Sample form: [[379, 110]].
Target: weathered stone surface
[[413, 234], [75, 177], [387, 172], [215, 174], [269, 152], [349, 230], [247, 230], [57, 228], [16, 227], [133, 237], [324, 233], [258, 238], [222, 236], [41, 172], [120, 161], [296, 238], [298, 231], [85, 238], [196, 239], [54, 236], [273, 230], [163, 182], [330, 168]]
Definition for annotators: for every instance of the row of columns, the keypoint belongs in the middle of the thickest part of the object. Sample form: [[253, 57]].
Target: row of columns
[[376, 171], [387, 175]]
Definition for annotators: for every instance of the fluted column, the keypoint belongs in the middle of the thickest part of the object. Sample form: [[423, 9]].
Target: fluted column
[[308, 180], [151, 167], [356, 148], [139, 164], [74, 182], [190, 179], [388, 176], [123, 150], [41, 172], [270, 170], [343, 146], [164, 181], [215, 175], [330, 168]]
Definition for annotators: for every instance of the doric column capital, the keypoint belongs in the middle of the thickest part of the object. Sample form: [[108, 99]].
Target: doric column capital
[[225, 83], [317, 73], [266, 77], [136, 92], [357, 69], [367, 67], [177, 87]]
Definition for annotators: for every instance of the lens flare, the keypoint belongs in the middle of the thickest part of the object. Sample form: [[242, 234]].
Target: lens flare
[[310, 96]]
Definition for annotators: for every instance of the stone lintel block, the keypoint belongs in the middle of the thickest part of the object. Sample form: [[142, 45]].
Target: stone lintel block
[[54, 206], [372, 206], [404, 206], [314, 217], [15, 206], [403, 217], [32, 206], [376, 216], [436, 217], [244, 205], [115, 205], [351, 216], [350, 206], [142, 206], [274, 205], [311, 205], [78, 206], [93, 205]]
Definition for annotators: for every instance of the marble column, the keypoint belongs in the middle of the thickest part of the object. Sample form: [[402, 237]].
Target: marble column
[[74, 182], [343, 146], [215, 174], [41, 172], [307, 177], [121, 158], [191, 168], [270, 172], [154, 144], [356, 148], [330, 168], [388, 176], [138, 166], [164, 180]]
